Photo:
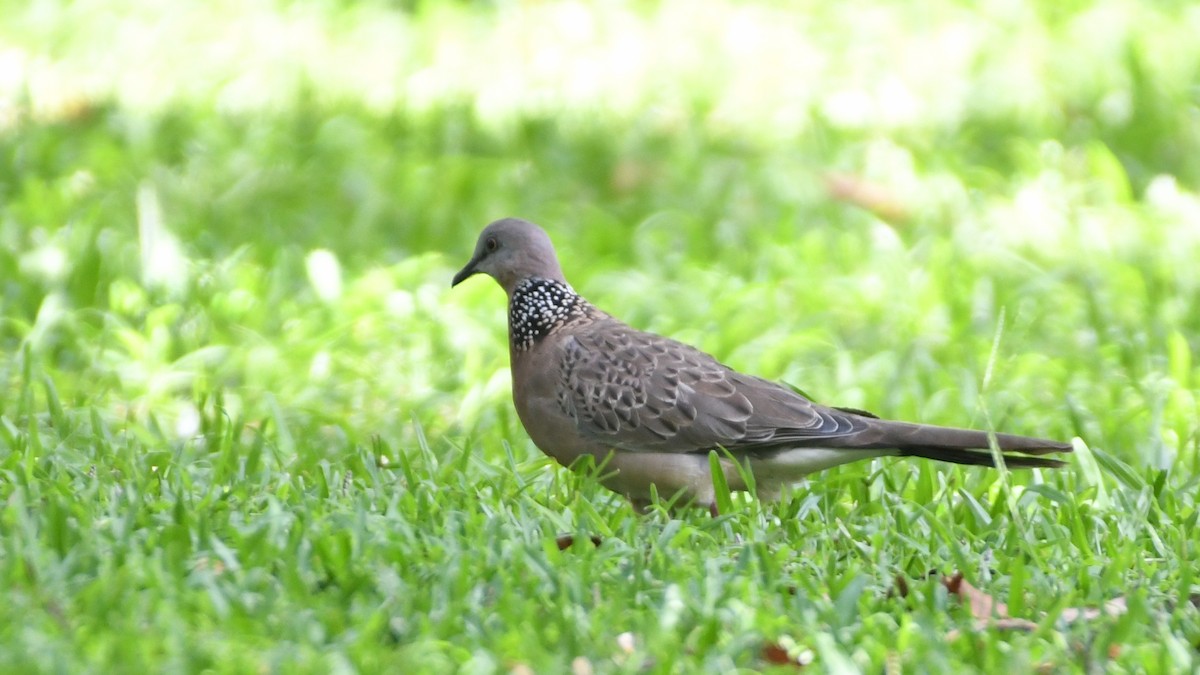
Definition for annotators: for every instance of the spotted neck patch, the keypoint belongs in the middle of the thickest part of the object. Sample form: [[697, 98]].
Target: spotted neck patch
[[538, 307]]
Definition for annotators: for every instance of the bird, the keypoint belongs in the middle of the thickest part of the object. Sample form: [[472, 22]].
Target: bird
[[649, 410]]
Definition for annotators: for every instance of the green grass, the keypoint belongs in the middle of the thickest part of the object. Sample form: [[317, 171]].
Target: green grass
[[216, 454]]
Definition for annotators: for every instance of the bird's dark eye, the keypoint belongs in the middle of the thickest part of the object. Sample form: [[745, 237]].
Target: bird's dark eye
[[491, 244]]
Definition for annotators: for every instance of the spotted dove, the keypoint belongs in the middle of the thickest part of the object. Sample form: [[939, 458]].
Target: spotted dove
[[650, 409]]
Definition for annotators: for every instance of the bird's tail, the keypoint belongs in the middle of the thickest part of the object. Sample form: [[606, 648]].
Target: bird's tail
[[982, 458], [968, 446]]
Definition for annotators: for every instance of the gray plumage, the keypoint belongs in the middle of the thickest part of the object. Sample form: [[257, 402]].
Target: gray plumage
[[650, 408]]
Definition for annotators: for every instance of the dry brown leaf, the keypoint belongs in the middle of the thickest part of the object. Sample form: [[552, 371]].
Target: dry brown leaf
[[990, 613], [984, 609], [776, 655], [873, 197], [987, 612], [1012, 623], [565, 541], [1114, 607], [982, 605]]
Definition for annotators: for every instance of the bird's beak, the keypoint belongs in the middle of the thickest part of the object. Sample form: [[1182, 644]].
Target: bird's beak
[[465, 272]]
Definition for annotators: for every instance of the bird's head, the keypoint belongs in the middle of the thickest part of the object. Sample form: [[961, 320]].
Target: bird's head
[[510, 251]]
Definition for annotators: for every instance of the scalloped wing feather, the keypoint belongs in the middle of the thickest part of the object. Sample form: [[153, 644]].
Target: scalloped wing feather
[[643, 392]]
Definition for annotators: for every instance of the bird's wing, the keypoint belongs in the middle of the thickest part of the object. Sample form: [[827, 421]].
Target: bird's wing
[[643, 392]]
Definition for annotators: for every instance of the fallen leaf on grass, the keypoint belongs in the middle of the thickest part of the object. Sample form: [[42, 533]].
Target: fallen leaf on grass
[[984, 609], [988, 613], [900, 586], [776, 654], [565, 541], [873, 197], [1115, 607]]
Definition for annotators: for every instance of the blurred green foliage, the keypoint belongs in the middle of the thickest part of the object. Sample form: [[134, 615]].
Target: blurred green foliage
[[245, 425]]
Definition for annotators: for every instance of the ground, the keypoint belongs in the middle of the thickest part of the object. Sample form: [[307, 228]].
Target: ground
[[246, 426]]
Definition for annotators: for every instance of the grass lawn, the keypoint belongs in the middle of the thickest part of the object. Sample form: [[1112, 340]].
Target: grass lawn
[[246, 426]]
